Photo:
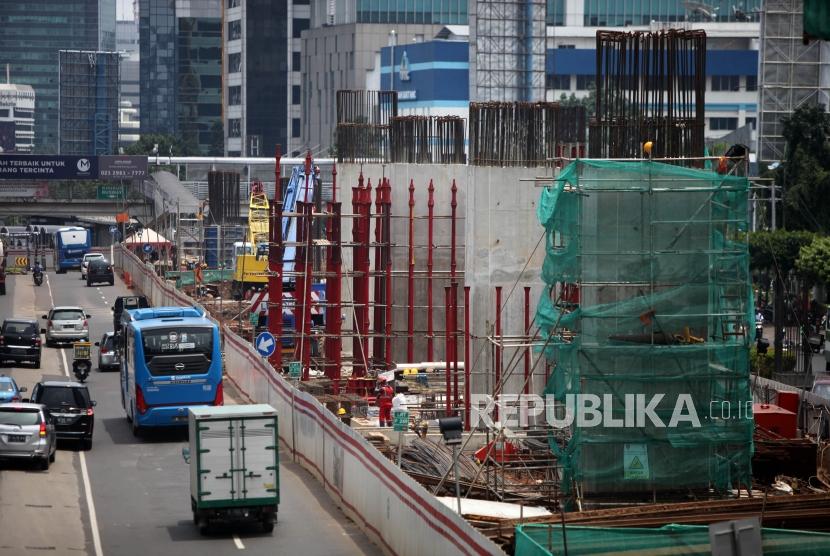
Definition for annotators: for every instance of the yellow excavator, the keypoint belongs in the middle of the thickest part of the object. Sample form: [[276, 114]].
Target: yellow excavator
[[251, 262]]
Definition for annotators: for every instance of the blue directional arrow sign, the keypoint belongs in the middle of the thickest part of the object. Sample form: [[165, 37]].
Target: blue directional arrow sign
[[147, 248], [113, 229], [265, 344]]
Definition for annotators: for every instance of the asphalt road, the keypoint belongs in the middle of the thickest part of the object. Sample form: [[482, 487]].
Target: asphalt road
[[136, 499]]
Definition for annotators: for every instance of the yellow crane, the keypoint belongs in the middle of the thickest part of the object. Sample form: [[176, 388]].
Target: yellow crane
[[251, 264]]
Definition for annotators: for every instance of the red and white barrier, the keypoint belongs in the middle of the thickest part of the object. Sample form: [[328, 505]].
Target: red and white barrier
[[396, 512]]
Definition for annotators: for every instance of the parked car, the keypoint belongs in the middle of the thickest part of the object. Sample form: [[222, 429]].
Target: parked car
[[99, 271], [108, 357], [124, 302], [821, 387], [20, 341], [70, 405], [89, 257], [66, 324], [9, 390], [27, 431]]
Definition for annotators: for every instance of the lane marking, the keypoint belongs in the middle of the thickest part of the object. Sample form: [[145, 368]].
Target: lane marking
[[238, 542], [93, 519]]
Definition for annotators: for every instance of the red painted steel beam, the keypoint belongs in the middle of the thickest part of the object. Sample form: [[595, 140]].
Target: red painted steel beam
[[410, 313], [430, 246], [467, 360]]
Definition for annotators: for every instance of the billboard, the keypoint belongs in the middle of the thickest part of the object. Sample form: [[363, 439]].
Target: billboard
[[122, 167], [47, 167]]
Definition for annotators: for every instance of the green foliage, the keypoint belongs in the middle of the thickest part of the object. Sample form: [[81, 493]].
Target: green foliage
[[814, 261], [589, 102], [763, 365], [164, 142], [805, 174], [780, 249]]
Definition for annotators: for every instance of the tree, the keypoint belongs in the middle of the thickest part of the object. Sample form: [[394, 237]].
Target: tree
[[814, 261], [805, 173], [779, 249], [147, 141]]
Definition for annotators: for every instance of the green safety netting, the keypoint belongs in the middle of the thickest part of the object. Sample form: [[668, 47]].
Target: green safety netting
[[688, 540], [660, 258]]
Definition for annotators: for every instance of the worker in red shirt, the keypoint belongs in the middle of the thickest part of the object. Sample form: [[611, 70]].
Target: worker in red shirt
[[384, 397]]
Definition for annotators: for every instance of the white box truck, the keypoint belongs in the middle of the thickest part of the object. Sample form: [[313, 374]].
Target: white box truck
[[234, 464]]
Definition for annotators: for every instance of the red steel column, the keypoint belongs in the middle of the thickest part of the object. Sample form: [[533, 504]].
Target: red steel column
[[366, 231], [307, 299], [300, 286], [453, 206], [467, 358], [454, 319], [334, 271], [431, 207], [527, 339], [410, 314], [497, 338], [379, 287], [387, 249], [448, 349], [359, 369], [275, 251]]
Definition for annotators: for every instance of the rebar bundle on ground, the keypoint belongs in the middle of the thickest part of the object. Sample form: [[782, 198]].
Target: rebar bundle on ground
[[522, 133], [427, 139], [363, 119], [650, 87]]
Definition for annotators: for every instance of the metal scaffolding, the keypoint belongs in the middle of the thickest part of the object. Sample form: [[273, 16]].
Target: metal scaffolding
[[792, 74], [88, 102]]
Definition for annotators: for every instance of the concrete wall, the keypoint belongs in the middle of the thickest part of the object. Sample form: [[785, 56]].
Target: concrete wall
[[496, 234]]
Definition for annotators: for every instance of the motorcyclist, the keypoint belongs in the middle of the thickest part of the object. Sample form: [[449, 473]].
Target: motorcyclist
[[37, 272]]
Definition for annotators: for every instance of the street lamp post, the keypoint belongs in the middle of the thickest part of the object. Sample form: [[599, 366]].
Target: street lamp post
[[393, 39]]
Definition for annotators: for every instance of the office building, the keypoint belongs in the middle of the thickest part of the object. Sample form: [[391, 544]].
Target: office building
[[30, 41], [262, 75], [342, 50], [88, 102], [157, 63], [199, 75], [17, 118], [126, 39]]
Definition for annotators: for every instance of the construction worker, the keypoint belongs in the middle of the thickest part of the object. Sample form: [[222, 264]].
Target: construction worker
[[384, 397]]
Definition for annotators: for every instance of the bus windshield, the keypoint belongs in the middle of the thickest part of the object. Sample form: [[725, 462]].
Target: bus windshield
[[73, 237], [177, 340]]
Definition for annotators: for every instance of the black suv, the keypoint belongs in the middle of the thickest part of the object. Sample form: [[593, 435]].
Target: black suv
[[123, 303], [72, 409], [20, 341], [99, 271]]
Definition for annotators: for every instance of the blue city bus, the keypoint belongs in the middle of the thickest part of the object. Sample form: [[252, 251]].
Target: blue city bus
[[71, 244], [171, 359]]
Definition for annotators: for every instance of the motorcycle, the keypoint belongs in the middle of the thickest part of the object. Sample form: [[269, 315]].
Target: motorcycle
[[81, 360], [38, 276]]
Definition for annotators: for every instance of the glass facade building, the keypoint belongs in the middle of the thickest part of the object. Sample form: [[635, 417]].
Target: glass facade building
[[32, 33], [619, 13], [445, 12], [157, 45], [199, 99]]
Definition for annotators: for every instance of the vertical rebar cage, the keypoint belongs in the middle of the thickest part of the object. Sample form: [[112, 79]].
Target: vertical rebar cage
[[659, 256], [650, 87], [363, 121]]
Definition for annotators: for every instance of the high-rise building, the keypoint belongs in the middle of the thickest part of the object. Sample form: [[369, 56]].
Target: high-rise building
[[262, 64], [157, 59], [17, 118], [181, 69], [342, 50], [33, 33], [88, 102], [199, 74], [126, 40]]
